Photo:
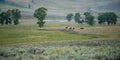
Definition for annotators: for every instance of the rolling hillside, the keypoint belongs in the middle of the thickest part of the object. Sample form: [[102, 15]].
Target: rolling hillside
[[59, 8]]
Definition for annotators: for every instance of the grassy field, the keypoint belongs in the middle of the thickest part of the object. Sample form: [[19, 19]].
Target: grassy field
[[28, 32], [107, 49], [27, 41]]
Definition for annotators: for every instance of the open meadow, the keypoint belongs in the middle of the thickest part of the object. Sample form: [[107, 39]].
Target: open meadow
[[27, 41], [28, 32]]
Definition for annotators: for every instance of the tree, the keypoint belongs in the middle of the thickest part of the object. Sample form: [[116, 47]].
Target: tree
[[40, 14], [9, 16], [16, 15], [6, 17], [86, 14], [77, 17], [112, 17], [101, 18], [90, 20], [69, 17], [29, 6], [109, 17], [3, 17]]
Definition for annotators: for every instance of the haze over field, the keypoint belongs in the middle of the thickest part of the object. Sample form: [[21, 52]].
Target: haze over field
[[59, 8]]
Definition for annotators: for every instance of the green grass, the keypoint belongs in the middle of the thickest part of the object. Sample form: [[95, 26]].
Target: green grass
[[27, 33], [76, 50], [11, 36], [54, 42]]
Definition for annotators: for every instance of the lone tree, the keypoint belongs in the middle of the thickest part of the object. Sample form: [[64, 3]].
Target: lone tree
[[40, 14], [69, 17]]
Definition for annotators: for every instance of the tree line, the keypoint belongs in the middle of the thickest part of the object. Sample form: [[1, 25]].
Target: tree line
[[13, 16], [109, 17], [10, 16]]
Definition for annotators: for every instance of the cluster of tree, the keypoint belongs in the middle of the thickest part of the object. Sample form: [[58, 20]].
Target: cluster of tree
[[69, 17], [109, 17], [10, 16], [89, 19], [40, 14], [77, 18]]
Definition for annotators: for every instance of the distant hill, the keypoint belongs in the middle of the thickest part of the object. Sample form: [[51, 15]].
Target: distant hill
[[115, 6], [59, 8]]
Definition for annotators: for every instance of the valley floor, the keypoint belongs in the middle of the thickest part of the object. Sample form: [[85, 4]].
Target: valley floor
[[27, 41]]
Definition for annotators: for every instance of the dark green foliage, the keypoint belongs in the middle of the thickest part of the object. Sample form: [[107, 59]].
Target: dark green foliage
[[40, 14], [101, 18], [86, 14], [9, 15], [16, 15], [109, 17], [89, 18], [69, 17], [41, 23], [77, 17], [3, 17]]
